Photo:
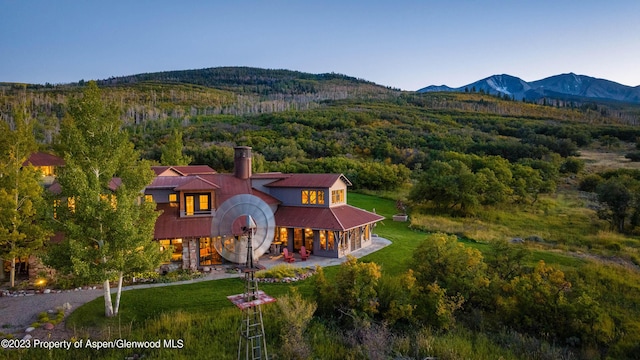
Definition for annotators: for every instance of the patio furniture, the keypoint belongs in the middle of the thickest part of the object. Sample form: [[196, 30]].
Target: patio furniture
[[287, 257], [303, 253]]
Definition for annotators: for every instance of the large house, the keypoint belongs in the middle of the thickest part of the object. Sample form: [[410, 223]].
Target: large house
[[310, 210]]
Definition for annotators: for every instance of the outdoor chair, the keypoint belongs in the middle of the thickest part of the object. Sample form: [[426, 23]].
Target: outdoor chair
[[304, 255], [287, 257]]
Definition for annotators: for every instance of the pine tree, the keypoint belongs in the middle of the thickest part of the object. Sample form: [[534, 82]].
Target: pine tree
[[172, 151], [21, 195], [108, 229]]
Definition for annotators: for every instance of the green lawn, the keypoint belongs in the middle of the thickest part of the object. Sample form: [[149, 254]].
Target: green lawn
[[204, 297], [202, 309]]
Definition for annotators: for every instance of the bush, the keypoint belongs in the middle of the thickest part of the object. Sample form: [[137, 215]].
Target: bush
[[633, 156], [590, 183], [278, 272]]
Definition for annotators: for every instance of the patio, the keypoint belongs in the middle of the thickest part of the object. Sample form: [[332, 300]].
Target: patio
[[270, 260]]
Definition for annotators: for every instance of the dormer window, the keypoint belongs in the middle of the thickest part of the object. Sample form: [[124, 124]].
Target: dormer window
[[312, 197], [197, 204]]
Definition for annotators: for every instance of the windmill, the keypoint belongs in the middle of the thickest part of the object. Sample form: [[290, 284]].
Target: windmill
[[246, 219], [230, 219]]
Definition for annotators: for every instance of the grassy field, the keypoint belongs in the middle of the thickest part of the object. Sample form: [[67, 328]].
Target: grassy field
[[200, 315]]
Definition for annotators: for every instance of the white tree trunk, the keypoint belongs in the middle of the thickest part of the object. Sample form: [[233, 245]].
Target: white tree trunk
[[12, 272], [117, 307], [108, 306]]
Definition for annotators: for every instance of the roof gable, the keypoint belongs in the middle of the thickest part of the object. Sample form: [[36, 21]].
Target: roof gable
[[196, 183], [182, 170], [309, 180]]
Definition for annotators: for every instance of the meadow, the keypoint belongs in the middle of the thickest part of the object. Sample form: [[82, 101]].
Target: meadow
[[206, 322]]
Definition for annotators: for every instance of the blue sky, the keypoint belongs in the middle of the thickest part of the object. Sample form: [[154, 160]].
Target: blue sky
[[403, 44]]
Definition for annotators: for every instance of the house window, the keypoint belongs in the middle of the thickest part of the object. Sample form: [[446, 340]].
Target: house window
[[176, 245], [297, 238], [203, 202], [208, 253], [312, 197], [148, 198], [308, 239], [56, 203], [330, 240], [326, 239], [113, 201], [283, 236], [47, 170], [71, 204], [173, 199], [189, 205], [337, 196], [197, 204]]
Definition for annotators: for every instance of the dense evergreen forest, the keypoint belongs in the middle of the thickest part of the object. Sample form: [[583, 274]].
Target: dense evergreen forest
[[446, 156]]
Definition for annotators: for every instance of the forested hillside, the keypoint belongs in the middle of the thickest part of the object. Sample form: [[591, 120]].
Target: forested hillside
[[484, 169]]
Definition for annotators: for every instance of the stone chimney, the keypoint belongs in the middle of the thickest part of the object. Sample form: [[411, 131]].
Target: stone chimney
[[242, 162]]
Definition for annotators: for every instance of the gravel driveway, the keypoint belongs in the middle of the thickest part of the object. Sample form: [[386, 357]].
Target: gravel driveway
[[17, 313]]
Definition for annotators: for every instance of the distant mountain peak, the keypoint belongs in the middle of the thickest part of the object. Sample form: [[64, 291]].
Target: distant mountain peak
[[568, 85]]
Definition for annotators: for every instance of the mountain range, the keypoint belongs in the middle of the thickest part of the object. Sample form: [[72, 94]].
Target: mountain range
[[569, 87]]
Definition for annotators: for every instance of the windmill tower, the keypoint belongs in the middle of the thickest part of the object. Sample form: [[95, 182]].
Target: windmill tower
[[238, 216]]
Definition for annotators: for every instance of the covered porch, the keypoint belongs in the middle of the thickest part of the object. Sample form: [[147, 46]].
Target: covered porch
[[332, 232]]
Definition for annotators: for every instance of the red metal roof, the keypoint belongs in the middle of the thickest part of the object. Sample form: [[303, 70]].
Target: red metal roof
[[168, 182], [55, 188], [229, 186], [44, 159], [270, 175], [309, 180], [194, 169], [342, 217], [115, 183], [183, 170], [196, 183], [171, 226]]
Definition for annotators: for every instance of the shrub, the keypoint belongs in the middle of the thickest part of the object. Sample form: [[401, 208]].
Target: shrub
[[590, 183], [633, 156], [278, 272]]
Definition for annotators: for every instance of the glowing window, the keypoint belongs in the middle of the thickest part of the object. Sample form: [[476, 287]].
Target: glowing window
[[204, 202], [175, 245], [337, 196], [71, 203], [173, 198], [189, 204], [312, 197]]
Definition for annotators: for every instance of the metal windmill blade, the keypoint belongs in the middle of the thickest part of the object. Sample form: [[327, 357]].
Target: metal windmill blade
[[229, 227]]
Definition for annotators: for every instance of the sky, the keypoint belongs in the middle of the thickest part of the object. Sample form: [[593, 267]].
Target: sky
[[403, 44]]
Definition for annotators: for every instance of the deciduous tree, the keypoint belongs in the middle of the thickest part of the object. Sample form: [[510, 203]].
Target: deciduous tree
[[21, 195], [108, 230]]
